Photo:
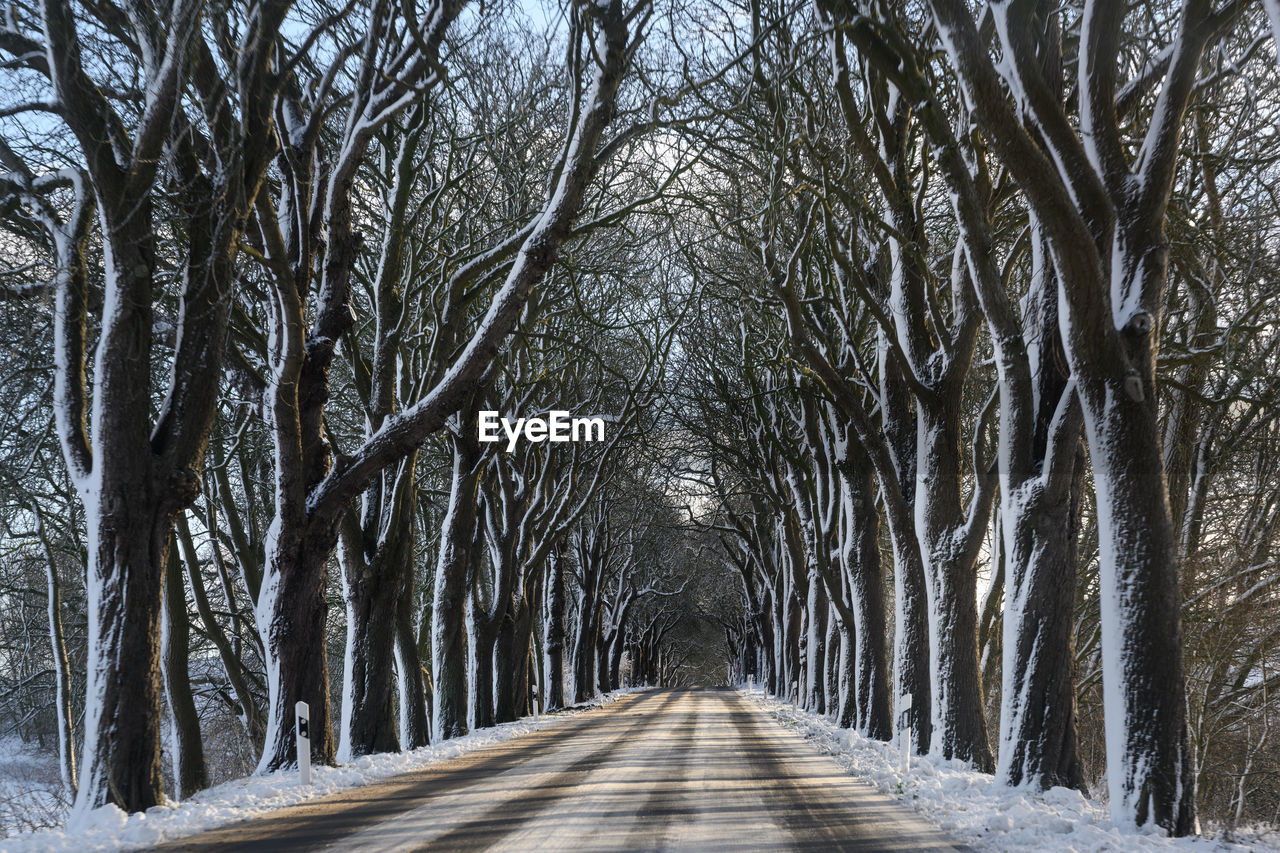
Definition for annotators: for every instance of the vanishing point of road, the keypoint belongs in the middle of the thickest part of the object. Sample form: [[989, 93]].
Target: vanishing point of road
[[695, 769]]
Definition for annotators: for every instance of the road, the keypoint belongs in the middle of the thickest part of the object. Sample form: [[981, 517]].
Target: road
[[695, 769]]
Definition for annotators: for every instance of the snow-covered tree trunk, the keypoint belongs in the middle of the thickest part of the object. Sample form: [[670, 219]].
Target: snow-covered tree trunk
[[483, 638], [372, 585], [61, 662], [860, 562], [1148, 750], [291, 615], [190, 774], [816, 606], [411, 678], [584, 657], [554, 634], [1042, 465], [950, 564], [831, 670], [523, 658], [448, 607], [507, 666], [1038, 715]]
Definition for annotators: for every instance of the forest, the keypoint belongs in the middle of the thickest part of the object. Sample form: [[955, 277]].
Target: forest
[[936, 346]]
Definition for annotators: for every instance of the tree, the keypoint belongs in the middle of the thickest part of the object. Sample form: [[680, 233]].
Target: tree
[[135, 474]]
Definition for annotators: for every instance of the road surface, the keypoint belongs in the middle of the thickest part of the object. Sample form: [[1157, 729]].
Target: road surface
[[665, 770]]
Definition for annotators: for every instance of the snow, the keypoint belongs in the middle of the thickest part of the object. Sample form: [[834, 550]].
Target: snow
[[974, 809], [108, 828], [32, 796]]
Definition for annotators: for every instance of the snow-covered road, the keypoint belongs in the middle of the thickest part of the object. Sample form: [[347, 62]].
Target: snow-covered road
[[693, 769]]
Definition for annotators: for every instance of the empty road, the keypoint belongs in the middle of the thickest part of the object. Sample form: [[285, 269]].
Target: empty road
[[665, 770]]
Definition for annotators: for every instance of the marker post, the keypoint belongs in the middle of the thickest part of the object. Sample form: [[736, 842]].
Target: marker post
[[906, 733], [303, 731]]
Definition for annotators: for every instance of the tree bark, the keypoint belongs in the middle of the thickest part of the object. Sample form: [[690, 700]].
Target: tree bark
[[555, 635], [959, 716], [448, 608], [861, 564], [415, 720], [190, 774], [483, 642], [371, 588], [292, 611], [61, 662]]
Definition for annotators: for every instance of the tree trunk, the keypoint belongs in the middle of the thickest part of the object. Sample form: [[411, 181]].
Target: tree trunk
[[128, 547], [815, 640], [555, 636], [129, 518], [371, 590], [1149, 759], [61, 663], [584, 664], [483, 641], [522, 657], [911, 659], [602, 665], [373, 587], [959, 717], [1038, 714], [861, 563], [831, 667], [291, 620], [1039, 522], [189, 771], [506, 666], [415, 720], [615, 659], [448, 607], [847, 707]]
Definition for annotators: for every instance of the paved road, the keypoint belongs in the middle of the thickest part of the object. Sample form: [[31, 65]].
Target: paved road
[[675, 769]]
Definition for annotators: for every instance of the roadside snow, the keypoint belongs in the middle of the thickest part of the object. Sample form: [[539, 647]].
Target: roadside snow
[[974, 809], [110, 829]]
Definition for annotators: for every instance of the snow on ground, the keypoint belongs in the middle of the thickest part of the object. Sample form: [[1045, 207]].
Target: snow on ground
[[31, 795], [110, 829], [971, 808]]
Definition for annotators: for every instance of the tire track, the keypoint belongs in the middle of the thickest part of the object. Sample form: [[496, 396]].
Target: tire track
[[769, 760], [512, 814], [325, 821], [661, 805]]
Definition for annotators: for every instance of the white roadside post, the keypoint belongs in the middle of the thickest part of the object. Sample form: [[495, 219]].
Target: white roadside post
[[795, 692], [749, 678], [304, 741], [906, 733]]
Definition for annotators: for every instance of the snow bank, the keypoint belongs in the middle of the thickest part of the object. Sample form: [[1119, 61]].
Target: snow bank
[[109, 828], [973, 809]]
